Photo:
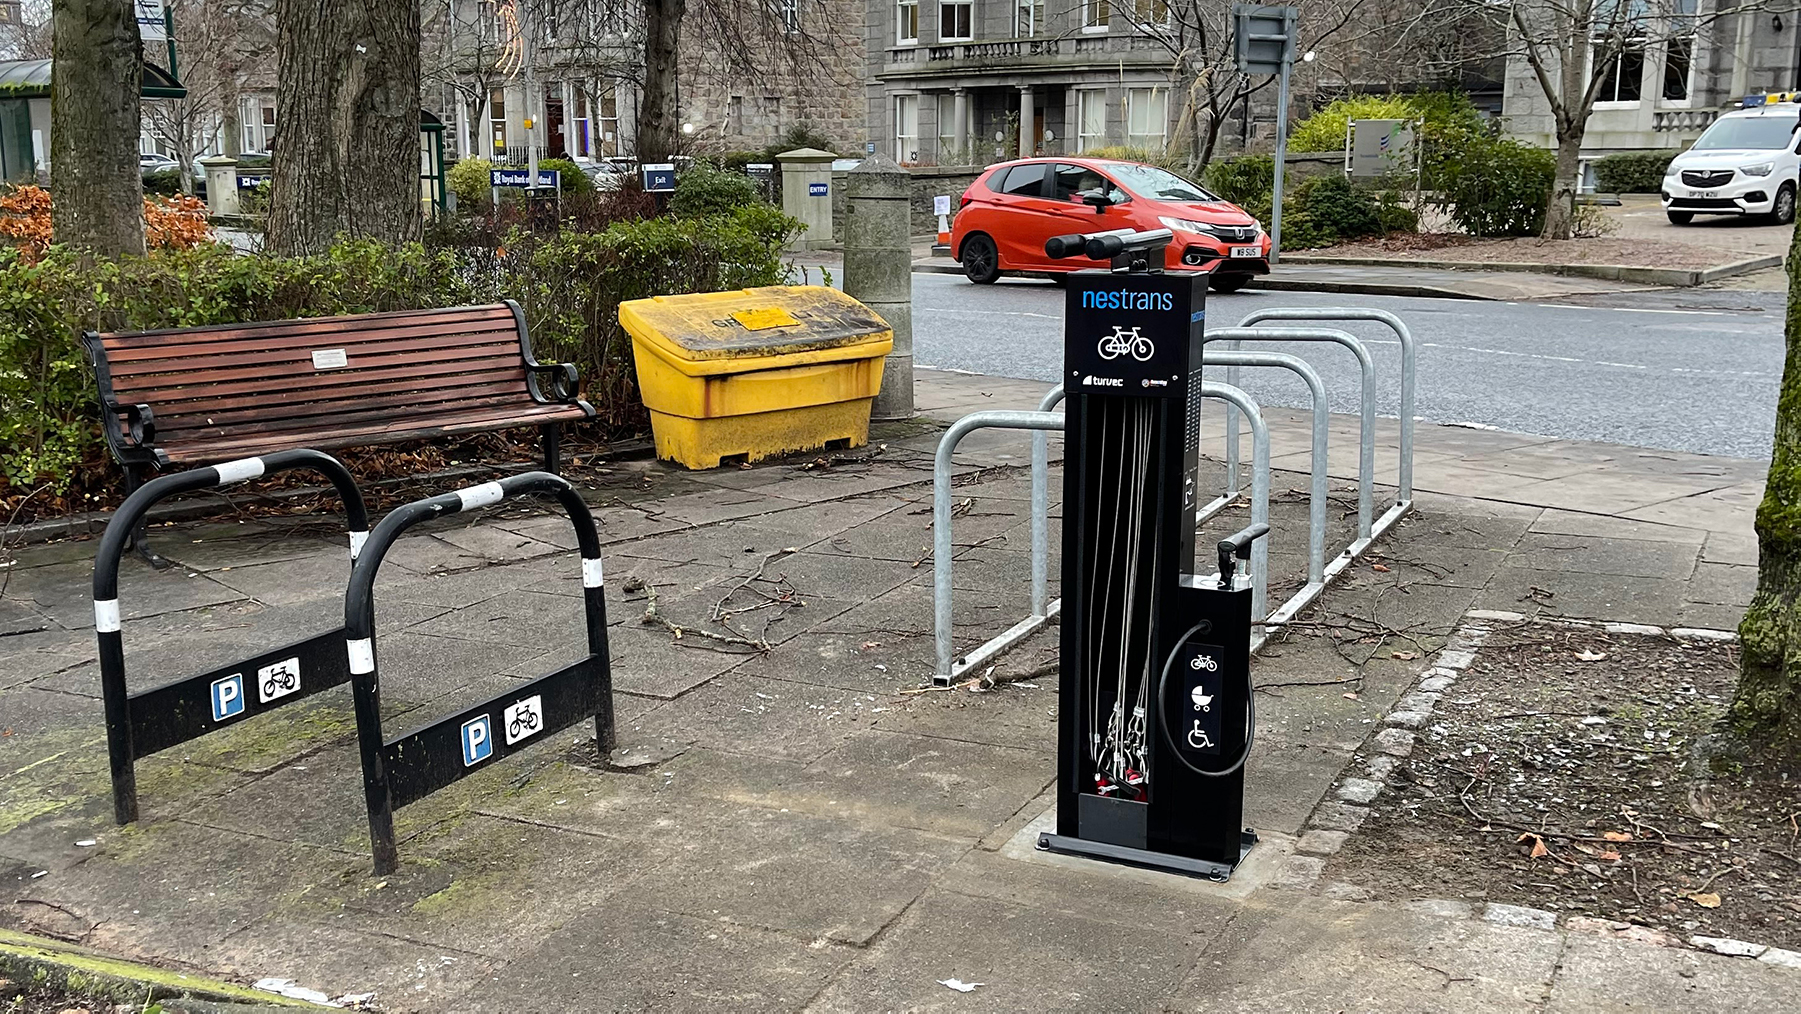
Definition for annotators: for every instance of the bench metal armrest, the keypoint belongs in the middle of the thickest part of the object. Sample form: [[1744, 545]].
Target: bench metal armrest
[[141, 423], [564, 380]]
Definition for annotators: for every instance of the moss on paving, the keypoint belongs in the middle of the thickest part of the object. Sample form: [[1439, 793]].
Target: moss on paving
[[52, 963]]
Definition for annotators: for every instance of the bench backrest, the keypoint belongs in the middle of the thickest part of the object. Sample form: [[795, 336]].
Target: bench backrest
[[288, 381]]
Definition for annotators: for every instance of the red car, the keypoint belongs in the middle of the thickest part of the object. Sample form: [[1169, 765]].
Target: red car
[[1013, 207]]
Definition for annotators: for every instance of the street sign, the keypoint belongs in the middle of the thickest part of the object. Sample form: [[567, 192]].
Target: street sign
[[1379, 147], [152, 25], [520, 179], [1263, 37], [659, 178]]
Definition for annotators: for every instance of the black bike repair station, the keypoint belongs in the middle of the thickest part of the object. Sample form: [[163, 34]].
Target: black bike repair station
[[1155, 716]]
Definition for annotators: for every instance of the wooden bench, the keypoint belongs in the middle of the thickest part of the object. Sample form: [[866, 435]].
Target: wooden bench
[[198, 396]]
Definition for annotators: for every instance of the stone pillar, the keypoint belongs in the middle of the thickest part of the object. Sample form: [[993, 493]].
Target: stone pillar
[[878, 269], [1025, 121], [807, 193], [960, 130], [221, 185]]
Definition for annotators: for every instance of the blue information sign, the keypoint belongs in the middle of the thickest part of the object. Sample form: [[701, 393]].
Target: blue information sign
[[659, 178], [521, 178], [818, 189]]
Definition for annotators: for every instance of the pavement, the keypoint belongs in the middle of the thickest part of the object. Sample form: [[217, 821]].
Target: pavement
[[792, 830]]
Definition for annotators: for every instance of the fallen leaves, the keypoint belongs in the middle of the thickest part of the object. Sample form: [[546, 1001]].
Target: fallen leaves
[[1591, 656], [1539, 851], [1705, 900]]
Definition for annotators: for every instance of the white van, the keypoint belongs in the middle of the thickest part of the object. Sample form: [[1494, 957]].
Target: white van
[[1746, 163]]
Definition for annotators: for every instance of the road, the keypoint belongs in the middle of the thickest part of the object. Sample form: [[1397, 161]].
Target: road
[[1686, 371]]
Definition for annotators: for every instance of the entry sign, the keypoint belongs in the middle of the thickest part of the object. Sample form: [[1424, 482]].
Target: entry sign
[[1263, 37], [818, 189], [520, 179], [659, 178]]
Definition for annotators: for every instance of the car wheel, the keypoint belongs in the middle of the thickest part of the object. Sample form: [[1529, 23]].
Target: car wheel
[[1680, 217], [1783, 212], [981, 261], [1227, 283]]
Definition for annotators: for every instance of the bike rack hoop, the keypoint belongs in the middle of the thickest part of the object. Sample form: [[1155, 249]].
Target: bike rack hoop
[[416, 763], [157, 718]]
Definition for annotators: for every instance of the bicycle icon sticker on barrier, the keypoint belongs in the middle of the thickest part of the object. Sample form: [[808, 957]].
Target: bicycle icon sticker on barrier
[[278, 679], [523, 718]]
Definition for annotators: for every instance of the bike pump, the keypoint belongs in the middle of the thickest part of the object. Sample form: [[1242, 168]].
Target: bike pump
[[1155, 717]]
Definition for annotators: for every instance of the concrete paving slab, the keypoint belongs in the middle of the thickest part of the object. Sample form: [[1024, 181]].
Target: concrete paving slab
[[1731, 509], [524, 618], [1024, 960], [1589, 596], [422, 552], [1723, 584], [1731, 547], [758, 716], [647, 661], [65, 592], [933, 784], [497, 545], [326, 955], [1587, 554], [1325, 957], [1604, 976], [19, 616], [1603, 526], [320, 576], [1024, 718]]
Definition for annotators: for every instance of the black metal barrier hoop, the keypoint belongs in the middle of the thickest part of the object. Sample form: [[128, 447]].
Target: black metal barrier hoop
[[415, 764], [140, 724]]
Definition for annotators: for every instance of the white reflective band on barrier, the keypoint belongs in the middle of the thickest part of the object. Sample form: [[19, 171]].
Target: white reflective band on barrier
[[591, 573], [356, 543], [482, 495], [362, 656], [239, 470], [106, 616]]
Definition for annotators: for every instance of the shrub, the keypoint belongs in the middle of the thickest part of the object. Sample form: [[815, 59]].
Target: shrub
[[176, 223], [1633, 172], [569, 176], [468, 179], [707, 190], [166, 182], [1492, 186], [569, 283], [1245, 181], [1324, 210], [1325, 129], [798, 136]]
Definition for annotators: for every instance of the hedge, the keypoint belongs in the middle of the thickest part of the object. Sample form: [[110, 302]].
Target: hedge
[[1633, 172]]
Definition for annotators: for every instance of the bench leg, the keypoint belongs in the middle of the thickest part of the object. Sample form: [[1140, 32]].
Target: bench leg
[[140, 535], [553, 447]]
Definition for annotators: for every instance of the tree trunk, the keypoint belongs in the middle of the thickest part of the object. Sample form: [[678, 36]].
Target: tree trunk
[[346, 157], [658, 116], [1560, 211], [1767, 707], [94, 124]]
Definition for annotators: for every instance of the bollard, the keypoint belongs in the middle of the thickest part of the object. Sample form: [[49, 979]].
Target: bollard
[[878, 269], [221, 185], [807, 194]]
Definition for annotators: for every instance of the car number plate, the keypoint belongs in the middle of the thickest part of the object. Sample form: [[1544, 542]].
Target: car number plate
[[1246, 251], [1703, 193]]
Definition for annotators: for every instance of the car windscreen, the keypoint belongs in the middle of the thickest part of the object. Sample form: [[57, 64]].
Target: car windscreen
[[1759, 133], [1156, 184]]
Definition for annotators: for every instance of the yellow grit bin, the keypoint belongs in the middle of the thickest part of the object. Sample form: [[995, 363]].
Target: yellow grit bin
[[755, 372]]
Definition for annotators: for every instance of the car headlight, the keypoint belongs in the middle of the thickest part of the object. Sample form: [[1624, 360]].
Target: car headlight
[[1185, 225], [1760, 169]]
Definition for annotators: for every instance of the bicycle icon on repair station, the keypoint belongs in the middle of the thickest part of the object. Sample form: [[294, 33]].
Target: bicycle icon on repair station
[[1122, 342]]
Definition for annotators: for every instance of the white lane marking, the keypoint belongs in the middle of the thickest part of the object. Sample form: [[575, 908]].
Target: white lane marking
[[994, 313], [106, 616]]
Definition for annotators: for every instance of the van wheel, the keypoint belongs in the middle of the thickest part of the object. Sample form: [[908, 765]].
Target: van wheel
[[1784, 211], [981, 261], [1228, 283], [1680, 217]]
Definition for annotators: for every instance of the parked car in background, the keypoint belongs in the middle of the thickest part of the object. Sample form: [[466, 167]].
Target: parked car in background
[[1747, 163], [1012, 208], [151, 163]]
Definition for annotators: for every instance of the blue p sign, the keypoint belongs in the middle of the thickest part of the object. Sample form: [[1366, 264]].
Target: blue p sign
[[478, 741], [228, 697]]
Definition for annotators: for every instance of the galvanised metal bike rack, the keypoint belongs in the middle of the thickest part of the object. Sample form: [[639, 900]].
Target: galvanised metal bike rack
[[142, 723], [415, 764]]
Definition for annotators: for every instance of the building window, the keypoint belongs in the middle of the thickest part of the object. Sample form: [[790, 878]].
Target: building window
[[1151, 12], [947, 128], [608, 132], [1622, 74], [584, 136], [1678, 60], [906, 22], [956, 20], [1147, 118], [1091, 120], [790, 11], [906, 128], [497, 118], [484, 21], [1096, 14], [1028, 18]]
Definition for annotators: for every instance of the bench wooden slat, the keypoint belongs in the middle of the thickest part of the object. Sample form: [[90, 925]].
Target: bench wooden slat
[[497, 314], [304, 346], [221, 392], [179, 390], [302, 360]]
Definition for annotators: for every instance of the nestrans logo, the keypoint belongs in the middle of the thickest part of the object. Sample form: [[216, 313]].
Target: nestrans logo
[[1122, 342]]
